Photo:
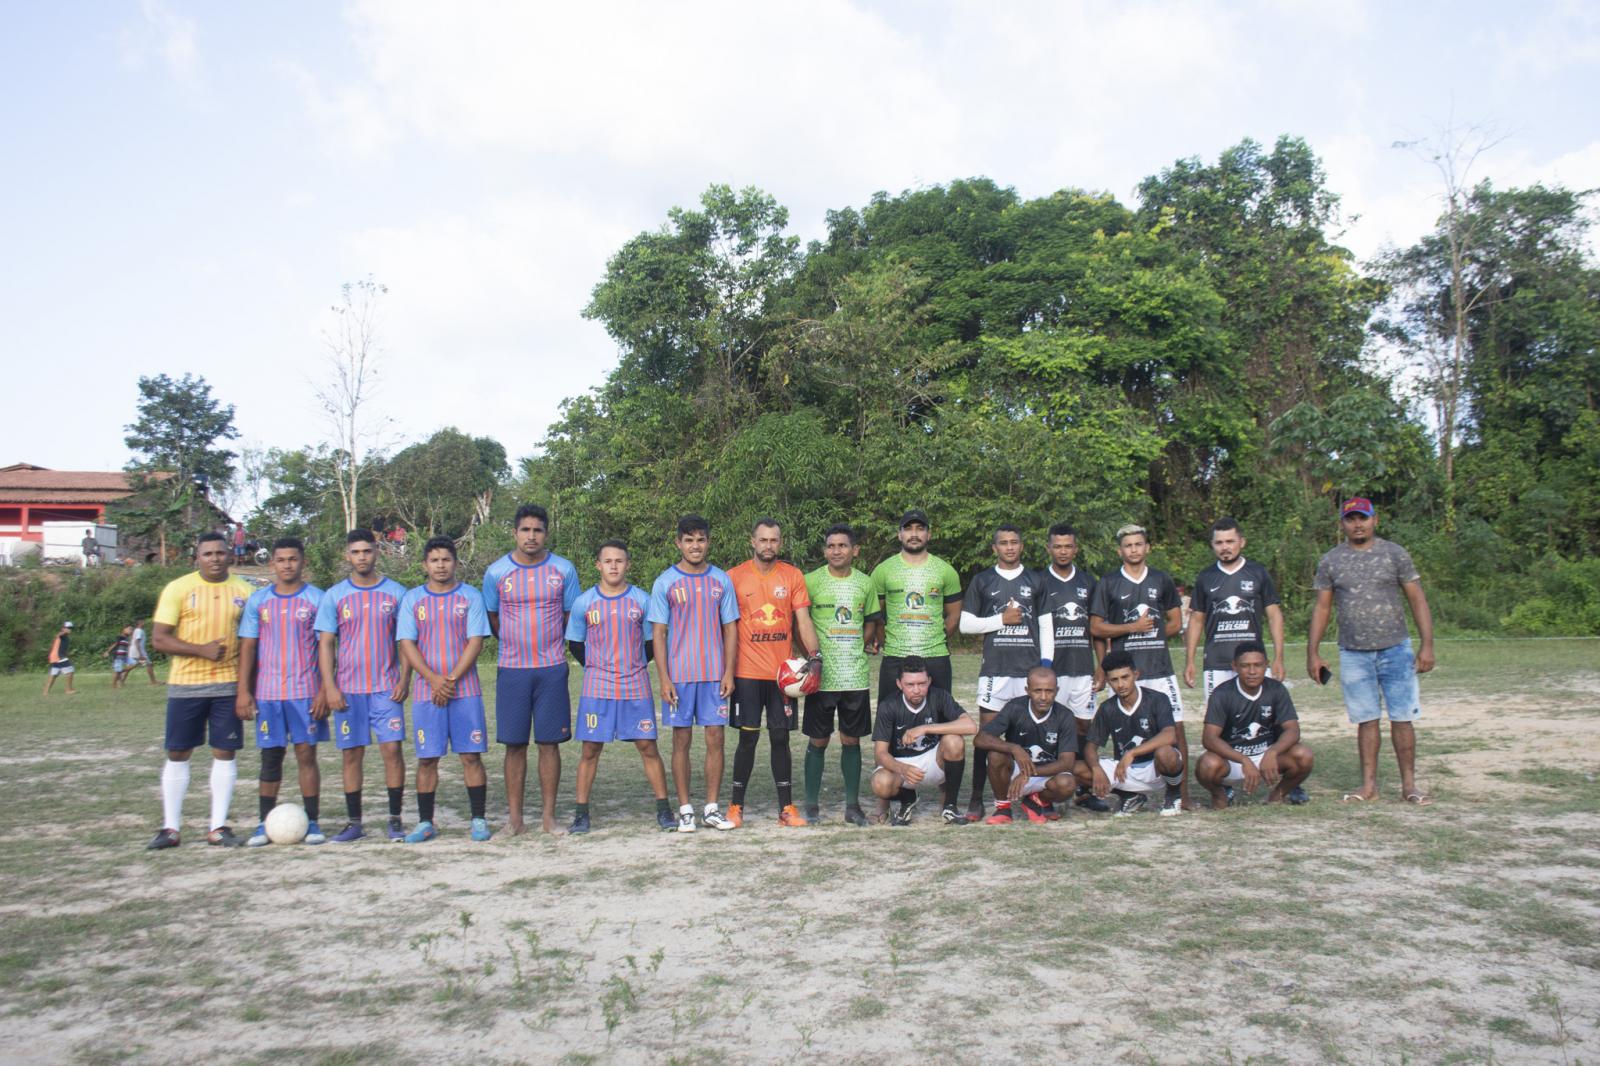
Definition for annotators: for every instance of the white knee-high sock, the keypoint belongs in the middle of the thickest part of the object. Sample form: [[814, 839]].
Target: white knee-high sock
[[174, 783], [224, 773]]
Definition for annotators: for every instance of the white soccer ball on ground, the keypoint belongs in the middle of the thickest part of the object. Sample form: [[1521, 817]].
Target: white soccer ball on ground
[[286, 823]]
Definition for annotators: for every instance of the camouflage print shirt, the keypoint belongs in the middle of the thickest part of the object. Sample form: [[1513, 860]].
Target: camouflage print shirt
[[1366, 592]]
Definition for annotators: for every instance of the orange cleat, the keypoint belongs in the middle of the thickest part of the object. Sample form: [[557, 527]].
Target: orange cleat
[[736, 815], [791, 816]]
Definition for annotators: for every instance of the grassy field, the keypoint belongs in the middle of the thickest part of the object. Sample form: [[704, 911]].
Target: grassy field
[[1464, 932]]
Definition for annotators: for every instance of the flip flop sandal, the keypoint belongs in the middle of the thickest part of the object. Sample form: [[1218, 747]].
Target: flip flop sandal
[[1352, 797], [1417, 799]]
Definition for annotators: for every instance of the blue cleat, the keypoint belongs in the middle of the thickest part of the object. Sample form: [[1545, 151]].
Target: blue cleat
[[314, 834], [397, 831], [666, 821], [579, 826], [423, 831], [353, 831], [259, 838], [480, 829]]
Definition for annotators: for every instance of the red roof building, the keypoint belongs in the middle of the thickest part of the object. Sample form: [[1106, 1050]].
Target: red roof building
[[31, 495]]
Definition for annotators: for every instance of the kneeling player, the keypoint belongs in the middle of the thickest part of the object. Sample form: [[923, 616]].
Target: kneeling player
[[1030, 748], [441, 630], [1252, 733], [917, 739], [609, 633], [1138, 723]]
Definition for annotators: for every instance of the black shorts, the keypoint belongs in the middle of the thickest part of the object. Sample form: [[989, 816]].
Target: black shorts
[[855, 714], [889, 671], [190, 718], [754, 699]]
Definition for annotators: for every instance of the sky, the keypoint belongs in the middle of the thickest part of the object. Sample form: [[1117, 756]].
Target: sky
[[187, 186]]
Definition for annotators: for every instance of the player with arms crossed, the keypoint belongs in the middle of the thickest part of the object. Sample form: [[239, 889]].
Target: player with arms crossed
[[278, 652], [529, 593], [918, 740], [1030, 745], [1068, 592], [609, 634], [1002, 603], [363, 682], [1252, 734], [197, 626], [441, 630], [921, 596], [842, 598], [1138, 724], [1137, 608], [694, 615], [774, 607]]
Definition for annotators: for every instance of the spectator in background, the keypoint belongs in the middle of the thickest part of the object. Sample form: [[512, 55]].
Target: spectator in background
[[238, 542], [61, 659], [117, 650], [91, 549], [139, 652]]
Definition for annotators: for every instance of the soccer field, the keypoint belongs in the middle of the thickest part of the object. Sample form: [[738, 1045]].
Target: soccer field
[[1468, 931]]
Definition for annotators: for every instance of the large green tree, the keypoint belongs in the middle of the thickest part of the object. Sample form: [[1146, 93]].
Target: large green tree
[[177, 457]]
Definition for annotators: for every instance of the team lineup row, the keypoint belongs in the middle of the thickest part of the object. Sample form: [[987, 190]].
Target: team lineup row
[[306, 665]]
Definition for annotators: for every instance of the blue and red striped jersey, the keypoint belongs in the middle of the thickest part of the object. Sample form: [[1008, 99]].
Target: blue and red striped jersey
[[441, 623], [533, 603], [694, 608], [284, 629], [614, 631], [363, 617]]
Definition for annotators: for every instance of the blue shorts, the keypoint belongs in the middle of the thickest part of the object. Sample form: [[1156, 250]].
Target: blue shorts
[[532, 700], [461, 722], [118, 665], [371, 715], [280, 721], [699, 703], [1391, 673], [602, 721], [190, 718]]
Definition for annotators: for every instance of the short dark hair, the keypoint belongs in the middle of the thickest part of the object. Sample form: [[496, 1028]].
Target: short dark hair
[[1116, 660], [208, 535], [1245, 647], [838, 528], [435, 543], [531, 510], [693, 523], [360, 533], [1005, 527], [912, 664], [1223, 524], [766, 520], [294, 543], [612, 543], [1064, 529]]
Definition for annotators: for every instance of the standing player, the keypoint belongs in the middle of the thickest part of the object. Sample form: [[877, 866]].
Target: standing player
[[441, 630], [842, 598], [1068, 592], [1252, 734], [921, 596], [1137, 609], [917, 740], [774, 606], [610, 636], [197, 624], [1030, 746], [529, 593], [695, 618], [1002, 603], [1231, 597], [60, 660], [366, 690], [278, 652], [1138, 723]]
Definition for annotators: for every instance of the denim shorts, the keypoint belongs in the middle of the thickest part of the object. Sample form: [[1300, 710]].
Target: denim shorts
[[1391, 672]]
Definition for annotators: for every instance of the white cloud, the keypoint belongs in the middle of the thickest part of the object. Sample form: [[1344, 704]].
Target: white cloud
[[166, 37]]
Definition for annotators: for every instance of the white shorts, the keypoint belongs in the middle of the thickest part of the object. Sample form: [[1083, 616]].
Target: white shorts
[[1142, 777], [1168, 687], [57, 671], [1215, 679], [995, 692], [1236, 772], [1076, 694], [1035, 784], [929, 763]]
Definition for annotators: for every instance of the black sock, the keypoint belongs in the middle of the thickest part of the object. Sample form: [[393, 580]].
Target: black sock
[[396, 796], [906, 795], [980, 767], [953, 769], [424, 806], [663, 805], [782, 765], [477, 795], [266, 803], [313, 806], [744, 762], [352, 805]]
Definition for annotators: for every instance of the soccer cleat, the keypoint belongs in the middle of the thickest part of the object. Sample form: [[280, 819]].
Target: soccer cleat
[[1090, 802], [579, 826], [1297, 796], [222, 837], [666, 821], [715, 820], [259, 838], [482, 832], [1001, 816], [975, 813], [813, 814], [904, 814], [791, 816], [423, 831], [1173, 803], [1227, 792], [351, 831], [1132, 803], [1031, 808], [166, 838], [856, 816], [1048, 809], [952, 815], [397, 830], [314, 834], [735, 816], [686, 822]]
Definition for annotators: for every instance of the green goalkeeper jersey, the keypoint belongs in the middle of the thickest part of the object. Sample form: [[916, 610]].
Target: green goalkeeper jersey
[[913, 605], [839, 610]]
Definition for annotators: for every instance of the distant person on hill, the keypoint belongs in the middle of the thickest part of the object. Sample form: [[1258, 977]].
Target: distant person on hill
[[91, 549], [238, 542], [61, 659]]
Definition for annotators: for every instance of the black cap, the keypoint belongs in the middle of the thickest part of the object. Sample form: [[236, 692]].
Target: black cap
[[916, 516]]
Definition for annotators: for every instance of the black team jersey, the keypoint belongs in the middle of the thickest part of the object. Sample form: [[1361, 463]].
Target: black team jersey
[[1250, 726], [1067, 604], [1128, 729], [1120, 600], [1010, 651], [894, 718], [1235, 606], [1015, 724]]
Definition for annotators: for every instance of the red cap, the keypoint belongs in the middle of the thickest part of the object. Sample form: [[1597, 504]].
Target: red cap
[[1356, 505]]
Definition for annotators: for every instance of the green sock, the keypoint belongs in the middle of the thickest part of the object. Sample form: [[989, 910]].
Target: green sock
[[663, 805], [582, 810], [814, 760], [850, 764]]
